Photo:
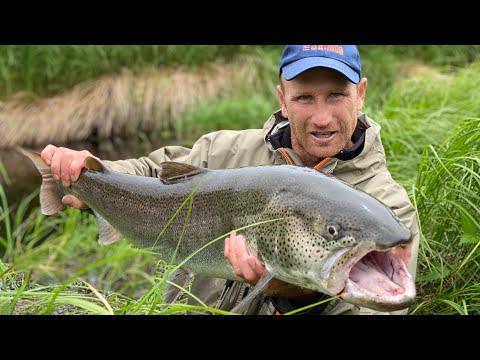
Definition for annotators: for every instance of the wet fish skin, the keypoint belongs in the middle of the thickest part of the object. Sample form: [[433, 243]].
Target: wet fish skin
[[316, 231]]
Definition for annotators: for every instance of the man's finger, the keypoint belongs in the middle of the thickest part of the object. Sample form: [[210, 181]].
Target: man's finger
[[241, 255], [73, 201], [230, 243], [55, 164], [47, 153], [65, 166], [225, 249], [250, 273], [257, 267], [77, 164], [241, 250]]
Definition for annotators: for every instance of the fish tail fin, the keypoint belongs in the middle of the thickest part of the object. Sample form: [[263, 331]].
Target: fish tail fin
[[50, 194]]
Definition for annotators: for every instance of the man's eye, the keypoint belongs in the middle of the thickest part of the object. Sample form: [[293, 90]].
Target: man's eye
[[304, 98]]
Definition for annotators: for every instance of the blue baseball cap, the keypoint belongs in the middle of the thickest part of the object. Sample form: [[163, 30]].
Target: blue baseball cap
[[299, 58]]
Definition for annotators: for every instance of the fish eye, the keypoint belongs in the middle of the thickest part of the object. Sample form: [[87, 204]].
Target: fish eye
[[332, 230]]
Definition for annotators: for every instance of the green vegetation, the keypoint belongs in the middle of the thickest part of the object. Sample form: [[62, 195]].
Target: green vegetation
[[48, 69], [447, 196], [425, 98], [231, 113], [45, 70]]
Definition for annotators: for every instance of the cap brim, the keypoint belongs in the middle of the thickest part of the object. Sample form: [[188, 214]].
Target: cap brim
[[295, 68]]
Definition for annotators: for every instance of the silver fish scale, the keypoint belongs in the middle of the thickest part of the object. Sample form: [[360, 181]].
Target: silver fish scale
[[140, 207], [224, 200]]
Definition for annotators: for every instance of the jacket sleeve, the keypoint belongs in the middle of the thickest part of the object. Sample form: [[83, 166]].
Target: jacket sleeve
[[148, 165], [217, 150]]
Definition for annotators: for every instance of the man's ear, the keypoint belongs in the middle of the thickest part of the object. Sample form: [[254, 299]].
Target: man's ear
[[362, 90], [281, 99]]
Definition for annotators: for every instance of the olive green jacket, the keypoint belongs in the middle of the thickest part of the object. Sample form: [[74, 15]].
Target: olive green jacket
[[231, 149]]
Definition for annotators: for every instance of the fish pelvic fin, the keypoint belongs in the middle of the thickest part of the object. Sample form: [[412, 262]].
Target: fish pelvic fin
[[50, 194], [171, 172], [107, 233], [180, 277], [257, 289]]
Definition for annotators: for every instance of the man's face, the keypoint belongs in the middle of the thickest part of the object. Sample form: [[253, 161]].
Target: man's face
[[321, 105]]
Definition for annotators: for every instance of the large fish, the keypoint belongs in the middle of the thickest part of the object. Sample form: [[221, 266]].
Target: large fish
[[308, 228]]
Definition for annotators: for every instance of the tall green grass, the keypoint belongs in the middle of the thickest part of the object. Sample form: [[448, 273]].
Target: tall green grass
[[447, 196], [431, 136], [424, 110], [48, 69], [386, 65], [44, 70], [445, 56]]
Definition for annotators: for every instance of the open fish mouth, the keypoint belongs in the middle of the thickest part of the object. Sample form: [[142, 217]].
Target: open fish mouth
[[380, 281]]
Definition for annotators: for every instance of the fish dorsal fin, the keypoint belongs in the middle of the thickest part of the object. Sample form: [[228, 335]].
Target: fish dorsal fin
[[171, 172], [92, 163]]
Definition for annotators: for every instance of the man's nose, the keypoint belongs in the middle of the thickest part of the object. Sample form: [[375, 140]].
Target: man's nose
[[321, 116]]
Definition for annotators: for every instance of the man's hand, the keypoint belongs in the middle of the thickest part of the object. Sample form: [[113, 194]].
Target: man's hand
[[250, 269], [244, 264], [66, 165]]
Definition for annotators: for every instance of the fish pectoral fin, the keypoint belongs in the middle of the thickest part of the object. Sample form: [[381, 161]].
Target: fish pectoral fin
[[171, 172], [107, 233], [257, 289], [175, 285]]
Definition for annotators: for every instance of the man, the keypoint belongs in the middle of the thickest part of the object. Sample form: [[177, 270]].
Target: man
[[320, 125]]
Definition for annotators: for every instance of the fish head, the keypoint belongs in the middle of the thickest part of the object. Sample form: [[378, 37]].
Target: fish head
[[350, 245], [372, 273]]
